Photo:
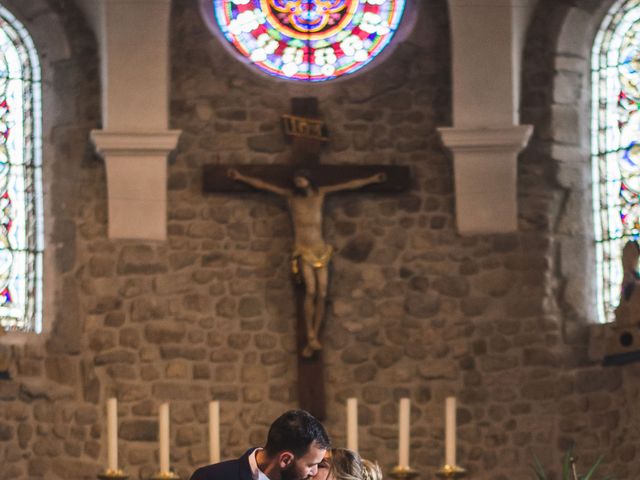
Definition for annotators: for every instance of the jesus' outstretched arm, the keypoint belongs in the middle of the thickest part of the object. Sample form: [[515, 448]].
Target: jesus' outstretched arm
[[354, 184], [258, 183]]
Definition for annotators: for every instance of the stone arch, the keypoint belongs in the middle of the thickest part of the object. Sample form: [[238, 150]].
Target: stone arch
[[563, 139], [60, 37], [44, 26]]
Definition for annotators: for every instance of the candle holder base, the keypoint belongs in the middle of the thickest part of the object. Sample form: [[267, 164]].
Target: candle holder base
[[165, 476], [451, 471], [403, 473], [113, 475]]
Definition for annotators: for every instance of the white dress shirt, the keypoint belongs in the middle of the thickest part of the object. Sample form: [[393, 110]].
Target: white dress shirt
[[256, 473]]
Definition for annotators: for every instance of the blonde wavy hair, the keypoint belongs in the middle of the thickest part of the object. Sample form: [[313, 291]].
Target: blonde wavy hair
[[371, 470], [348, 465]]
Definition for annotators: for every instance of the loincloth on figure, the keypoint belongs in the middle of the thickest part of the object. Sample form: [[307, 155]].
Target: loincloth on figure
[[317, 257]]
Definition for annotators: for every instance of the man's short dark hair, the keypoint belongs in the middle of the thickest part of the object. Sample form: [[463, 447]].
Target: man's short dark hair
[[295, 431]]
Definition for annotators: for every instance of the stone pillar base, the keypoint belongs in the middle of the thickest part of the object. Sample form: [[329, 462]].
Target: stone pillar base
[[485, 170], [136, 181]]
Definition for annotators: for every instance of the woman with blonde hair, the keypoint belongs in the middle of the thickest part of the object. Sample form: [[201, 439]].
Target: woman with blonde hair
[[344, 464], [371, 470]]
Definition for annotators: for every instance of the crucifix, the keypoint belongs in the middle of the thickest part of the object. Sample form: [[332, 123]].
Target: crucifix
[[304, 183]]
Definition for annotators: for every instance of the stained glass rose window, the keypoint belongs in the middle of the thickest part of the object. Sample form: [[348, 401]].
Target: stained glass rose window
[[308, 40]]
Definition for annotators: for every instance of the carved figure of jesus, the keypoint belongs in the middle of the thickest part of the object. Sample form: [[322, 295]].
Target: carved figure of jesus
[[311, 254]]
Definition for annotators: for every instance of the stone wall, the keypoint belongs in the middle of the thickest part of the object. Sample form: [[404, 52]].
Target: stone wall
[[415, 310], [591, 405], [50, 408]]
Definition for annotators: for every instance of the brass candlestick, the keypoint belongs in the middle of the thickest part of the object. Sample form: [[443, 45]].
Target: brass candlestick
[[165, 476], [109, 474], [403, 473], [451, 471]]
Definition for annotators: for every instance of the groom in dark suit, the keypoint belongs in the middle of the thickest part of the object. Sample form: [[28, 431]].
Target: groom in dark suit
[[296, 444]]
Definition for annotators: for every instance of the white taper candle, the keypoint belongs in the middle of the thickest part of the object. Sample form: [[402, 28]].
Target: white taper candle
[[403, 433], [214, 432], [450, 431], [163, 422], [112, 434], [352, 424]]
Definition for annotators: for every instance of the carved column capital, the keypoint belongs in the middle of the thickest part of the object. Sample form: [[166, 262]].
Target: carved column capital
[[485, 170], [135, 143], [136, 166]]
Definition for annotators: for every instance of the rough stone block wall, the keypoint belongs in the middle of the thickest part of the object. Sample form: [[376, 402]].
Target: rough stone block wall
[[415, 310]]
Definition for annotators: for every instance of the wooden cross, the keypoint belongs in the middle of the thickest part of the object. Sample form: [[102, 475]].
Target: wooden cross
[[307, 134]]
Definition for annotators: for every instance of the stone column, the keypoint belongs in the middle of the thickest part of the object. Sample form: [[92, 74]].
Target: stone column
[[136, 181], [487, 39], [135, 139]]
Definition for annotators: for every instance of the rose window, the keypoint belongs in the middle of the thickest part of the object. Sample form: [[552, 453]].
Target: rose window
[[308, 40]]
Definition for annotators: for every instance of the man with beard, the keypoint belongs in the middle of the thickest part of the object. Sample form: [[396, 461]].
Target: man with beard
[[296, 444], [311, 254]]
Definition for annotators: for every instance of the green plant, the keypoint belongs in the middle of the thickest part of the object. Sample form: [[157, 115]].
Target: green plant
[[569, 471]]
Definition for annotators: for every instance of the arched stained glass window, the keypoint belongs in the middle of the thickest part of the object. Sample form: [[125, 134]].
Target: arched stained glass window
[[21, 233], [308, 40]]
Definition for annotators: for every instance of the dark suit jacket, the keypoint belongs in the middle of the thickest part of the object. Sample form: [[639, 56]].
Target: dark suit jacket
[[238, 469]]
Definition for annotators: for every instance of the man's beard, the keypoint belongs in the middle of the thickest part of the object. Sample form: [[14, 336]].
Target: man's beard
[[290, 473]]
